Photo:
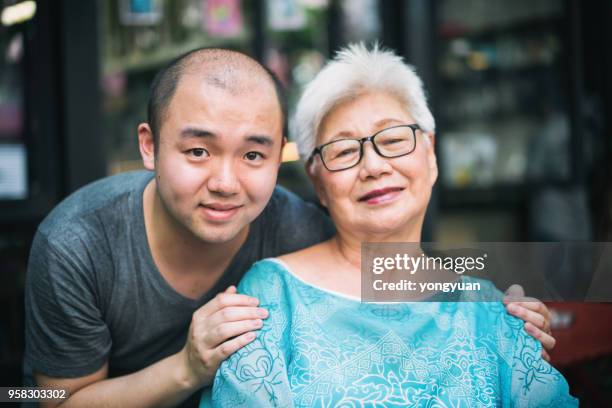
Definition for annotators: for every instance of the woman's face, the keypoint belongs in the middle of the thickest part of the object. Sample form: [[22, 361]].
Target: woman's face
[[379, 196]]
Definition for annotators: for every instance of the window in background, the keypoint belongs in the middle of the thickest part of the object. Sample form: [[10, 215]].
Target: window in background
[[13, 157]]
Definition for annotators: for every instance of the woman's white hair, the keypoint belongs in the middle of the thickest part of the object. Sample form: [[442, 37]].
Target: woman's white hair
[[356, 70]]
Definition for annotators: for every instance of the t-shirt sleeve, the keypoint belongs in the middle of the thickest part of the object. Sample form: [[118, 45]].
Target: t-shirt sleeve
[[535, 383], [256, 375], [66, 335], [292, 224]]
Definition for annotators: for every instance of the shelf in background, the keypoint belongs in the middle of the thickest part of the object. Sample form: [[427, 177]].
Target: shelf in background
[[450, 31]]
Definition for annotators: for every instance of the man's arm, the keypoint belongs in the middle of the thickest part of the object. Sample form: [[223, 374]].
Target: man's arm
[[159, 385], [217, 330]]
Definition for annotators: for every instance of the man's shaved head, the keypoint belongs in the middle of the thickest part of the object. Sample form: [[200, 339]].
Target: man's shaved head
[[229, 70]]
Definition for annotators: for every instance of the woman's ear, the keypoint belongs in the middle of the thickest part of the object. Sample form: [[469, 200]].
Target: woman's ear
[[146, 144], [310, 167], [432, 161]]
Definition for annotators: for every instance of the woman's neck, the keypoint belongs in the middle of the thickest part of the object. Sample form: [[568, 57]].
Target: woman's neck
[[346, 245]]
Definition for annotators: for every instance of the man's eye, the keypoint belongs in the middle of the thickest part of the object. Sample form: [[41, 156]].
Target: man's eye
[[253, 156], [198, 152]]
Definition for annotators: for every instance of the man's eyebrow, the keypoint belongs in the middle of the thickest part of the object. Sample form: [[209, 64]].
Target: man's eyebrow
[[197, 132], [260, 139]]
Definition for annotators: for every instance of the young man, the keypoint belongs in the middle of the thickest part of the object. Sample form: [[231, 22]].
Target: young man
[[129, 296]]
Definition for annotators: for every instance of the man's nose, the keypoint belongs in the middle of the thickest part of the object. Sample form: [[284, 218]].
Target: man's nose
[[373, 164], [223, 180]]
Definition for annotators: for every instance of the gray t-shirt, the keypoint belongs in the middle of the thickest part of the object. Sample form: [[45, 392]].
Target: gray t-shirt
[[94, 294]]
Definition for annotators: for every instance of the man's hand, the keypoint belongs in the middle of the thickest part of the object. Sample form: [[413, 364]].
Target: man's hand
[[534, 313], [218, 329]]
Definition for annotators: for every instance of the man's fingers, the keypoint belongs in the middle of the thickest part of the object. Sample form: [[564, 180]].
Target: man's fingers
[[515, 291], [538, 307], [535, 305], [215, 356], [233, 314], [225, 331], [226, 349], [548, 341], [223, 300], [527, 315], [537, 321], [231, 289]]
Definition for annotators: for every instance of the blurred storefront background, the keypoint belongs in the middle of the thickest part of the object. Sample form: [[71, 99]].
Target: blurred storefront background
[[521, 91]]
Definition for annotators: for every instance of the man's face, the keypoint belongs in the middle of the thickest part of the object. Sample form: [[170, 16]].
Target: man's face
[[218, 157]]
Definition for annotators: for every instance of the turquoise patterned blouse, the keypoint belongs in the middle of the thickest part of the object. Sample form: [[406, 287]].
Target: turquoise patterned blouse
[[322, 349]]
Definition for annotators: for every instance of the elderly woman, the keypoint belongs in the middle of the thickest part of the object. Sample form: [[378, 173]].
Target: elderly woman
[[365, 128]]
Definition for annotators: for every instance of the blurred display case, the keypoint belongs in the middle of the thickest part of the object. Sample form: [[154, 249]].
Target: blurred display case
[[504, 109], [301, 35]]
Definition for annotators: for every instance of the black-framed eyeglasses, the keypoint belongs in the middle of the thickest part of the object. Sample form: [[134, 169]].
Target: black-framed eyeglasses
[[342, 154]]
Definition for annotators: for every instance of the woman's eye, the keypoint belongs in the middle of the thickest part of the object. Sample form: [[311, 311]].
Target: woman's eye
[[253, 156], [346, 152], [393, 141]]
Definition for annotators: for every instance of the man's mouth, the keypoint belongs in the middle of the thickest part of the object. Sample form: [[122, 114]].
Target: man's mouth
[[220, 211], [380, 195]]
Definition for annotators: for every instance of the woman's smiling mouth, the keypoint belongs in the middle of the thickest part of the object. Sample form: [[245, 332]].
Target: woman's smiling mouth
[[380, 196]]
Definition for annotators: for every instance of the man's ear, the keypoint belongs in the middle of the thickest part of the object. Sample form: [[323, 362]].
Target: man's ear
[[314, 179], [283, 143], [146, 144], [432, 161]]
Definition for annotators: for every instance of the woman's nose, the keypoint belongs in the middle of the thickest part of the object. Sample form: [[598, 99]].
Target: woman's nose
[[373, 164]]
